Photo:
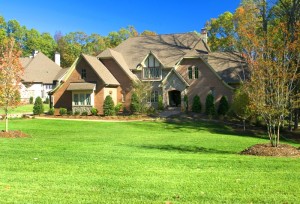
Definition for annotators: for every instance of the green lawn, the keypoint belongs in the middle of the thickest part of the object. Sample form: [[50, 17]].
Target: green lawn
[[28, 108], [139, 162]]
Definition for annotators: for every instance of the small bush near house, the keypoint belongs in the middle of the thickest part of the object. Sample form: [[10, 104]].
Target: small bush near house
[[38, 107], [210, 105], [94, 111], [135, 106], [151, 111], [69, 112], [108, 106], [223, 106], [118, 107], [77, 113], [160, 103], [63, 111], [196, 107], [84, 113], [51, 111], [31, 100]]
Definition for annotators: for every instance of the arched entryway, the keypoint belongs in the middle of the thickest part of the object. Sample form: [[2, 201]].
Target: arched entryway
[[174, 98]]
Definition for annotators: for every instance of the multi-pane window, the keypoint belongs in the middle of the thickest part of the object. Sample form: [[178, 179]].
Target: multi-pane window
[[83, 73], [196, 70], [153, 97], [190, 72], [82, 99], [152, 69]]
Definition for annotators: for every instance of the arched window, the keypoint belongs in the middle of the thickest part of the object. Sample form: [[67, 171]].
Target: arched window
[[190, 72]]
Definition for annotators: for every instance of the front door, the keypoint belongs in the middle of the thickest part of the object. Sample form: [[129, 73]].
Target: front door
[[174, 98]]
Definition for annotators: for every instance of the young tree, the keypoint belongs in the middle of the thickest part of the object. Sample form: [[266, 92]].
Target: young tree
[[273, 61], [223, 106], [108, 106], [142, 91], [38, 107], [196, 107], [10, 76], [240, 106], [135, 105], [210, 105]]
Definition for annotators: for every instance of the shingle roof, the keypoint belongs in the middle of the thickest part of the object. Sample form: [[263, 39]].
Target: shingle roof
[[81, 86], [168, 48], [101, 70], [39, 69], [229, 66], [109, 53]]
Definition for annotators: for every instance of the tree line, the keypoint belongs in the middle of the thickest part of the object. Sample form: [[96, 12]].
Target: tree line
[[266, 34], [69, 45]]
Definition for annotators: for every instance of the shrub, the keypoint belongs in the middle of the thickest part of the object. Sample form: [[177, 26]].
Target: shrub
[[223, 106], [210, 105], [160, 103], [69, 113], [63, 111], [51, 111], [108, 106], [46, 100], [118, 107], [84, 113], [135, 105], [196, 107], [94, 111], [38, 107], [31, 100], [151, 111], [77, 112]]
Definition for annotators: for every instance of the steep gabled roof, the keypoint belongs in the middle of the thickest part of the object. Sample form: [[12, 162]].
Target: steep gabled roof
[[101, 70], [109, 53], [168, 48], [230, 66], [39, 69]]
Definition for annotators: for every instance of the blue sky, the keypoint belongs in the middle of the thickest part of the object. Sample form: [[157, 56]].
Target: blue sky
[[104, 16]]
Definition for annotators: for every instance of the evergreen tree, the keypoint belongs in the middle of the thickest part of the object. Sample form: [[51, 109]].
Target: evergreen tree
[[196, 107], [38, 107], [135, 105], [108, 106], [210, 105], [223, 106]]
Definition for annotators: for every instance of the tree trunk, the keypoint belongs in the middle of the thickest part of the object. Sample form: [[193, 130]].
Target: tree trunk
[[6, 123], [244, 124]]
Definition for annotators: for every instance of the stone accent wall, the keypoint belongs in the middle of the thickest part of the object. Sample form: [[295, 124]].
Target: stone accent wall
[[81, 109]]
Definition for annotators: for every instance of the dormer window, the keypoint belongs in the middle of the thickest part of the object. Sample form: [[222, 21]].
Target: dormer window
[[83, 73], [152, 69], [193, 72]]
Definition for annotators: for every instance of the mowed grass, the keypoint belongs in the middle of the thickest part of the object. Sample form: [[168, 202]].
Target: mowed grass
[[27, 108], [140, 162]]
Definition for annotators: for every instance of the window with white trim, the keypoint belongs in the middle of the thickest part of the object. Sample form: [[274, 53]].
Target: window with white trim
[[153, 97], [82, 99], [152, 69]]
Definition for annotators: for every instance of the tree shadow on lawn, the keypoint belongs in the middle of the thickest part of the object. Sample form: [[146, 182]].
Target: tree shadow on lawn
[[187, 149], [219, 127]]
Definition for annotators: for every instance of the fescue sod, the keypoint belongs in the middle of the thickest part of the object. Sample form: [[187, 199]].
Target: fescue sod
[[140, 162]]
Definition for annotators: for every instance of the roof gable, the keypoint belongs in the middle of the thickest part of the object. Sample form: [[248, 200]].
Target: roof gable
[[39, 69]]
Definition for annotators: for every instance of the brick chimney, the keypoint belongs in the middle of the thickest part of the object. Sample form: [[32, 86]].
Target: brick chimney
[[204, 34]]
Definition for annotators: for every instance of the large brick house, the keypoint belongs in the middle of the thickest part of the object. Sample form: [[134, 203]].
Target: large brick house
[[175, 64]]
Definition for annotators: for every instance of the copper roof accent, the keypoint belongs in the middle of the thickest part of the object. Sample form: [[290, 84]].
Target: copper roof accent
[[81, 86], [168, 48], [101, 70], [39, 69]]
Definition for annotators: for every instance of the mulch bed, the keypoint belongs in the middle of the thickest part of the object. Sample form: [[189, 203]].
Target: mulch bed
[[283, 150], [12, 134]]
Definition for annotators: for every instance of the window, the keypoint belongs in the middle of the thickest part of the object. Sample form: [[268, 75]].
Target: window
[[123, 97], [190, 72], [152, 69], [82, 99], [196, 70], [153, 97], [83, 73]]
